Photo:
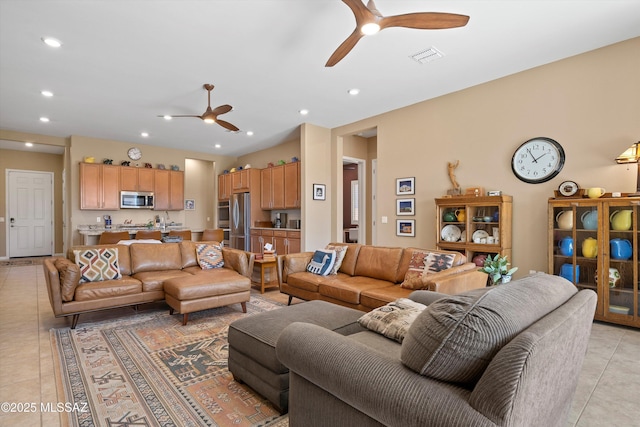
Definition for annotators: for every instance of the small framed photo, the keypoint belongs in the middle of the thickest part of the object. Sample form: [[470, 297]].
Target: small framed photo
[[319, 192], [406, 227], [405, 206], [189, 205], [405, 186]]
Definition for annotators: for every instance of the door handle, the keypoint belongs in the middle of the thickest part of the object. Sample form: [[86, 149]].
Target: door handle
[[12, 221]]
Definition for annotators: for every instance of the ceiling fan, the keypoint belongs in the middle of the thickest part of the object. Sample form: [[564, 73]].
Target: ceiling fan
[[211, 115], [369, 21]]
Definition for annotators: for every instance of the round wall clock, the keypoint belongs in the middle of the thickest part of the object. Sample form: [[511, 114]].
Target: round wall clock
[[134, 153], [538, 160]]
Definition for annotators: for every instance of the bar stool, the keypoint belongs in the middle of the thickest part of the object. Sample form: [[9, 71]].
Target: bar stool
[[216, 235], [185, 234], [110, 237], [149, 234]]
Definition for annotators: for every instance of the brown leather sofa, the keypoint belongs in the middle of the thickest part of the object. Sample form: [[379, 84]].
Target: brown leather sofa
[[144, 268], [370, 277]]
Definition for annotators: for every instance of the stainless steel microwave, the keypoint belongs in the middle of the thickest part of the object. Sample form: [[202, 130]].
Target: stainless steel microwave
[[136, 200]]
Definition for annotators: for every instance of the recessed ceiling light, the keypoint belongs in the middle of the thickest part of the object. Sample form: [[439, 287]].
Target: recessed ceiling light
[[218, 146], [249, 133], [44, 119], [353, 91], [47, 93], [28, 144], [50, 41], [144, 134], [304, 112], [167, 117]]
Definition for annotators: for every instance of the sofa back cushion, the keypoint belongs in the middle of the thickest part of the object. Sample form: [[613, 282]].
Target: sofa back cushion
[[153, 257], [348, 265], [69, 277], [188, 253], [124, 257], [407, 254], [455, 338], [377, 262]]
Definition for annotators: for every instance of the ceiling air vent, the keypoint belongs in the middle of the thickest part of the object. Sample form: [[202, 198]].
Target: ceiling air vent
[[427, 55]]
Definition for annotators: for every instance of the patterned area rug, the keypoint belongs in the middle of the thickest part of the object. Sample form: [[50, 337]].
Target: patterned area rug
[[149, 370]]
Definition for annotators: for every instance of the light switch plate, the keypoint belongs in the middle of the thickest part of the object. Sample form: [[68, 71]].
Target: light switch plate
[[384, 219]]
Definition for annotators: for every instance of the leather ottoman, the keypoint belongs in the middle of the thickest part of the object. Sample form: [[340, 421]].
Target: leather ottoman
[[252, 342], [204, 291]]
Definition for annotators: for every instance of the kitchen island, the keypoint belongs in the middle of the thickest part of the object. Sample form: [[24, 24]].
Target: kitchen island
[[91, 234]]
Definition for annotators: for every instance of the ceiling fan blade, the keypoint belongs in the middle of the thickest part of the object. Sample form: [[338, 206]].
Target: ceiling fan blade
[[227, 125], [190, 115], [344, 48], [425, 21], [362, 13], [222, 109]]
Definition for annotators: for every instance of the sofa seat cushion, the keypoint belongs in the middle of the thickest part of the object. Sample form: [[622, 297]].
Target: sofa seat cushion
[[107, 289], [456, 337], [378, 262], [309, 281], [378, 297], [378, 342], [154, 280], [348, 289]]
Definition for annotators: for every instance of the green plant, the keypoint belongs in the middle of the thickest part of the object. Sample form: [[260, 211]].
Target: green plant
[[497, 268]]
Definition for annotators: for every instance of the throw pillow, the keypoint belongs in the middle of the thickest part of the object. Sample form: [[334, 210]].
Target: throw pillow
[[455, 338], [322, 262], [341, 251], [392, 320], [209, 256], [69, 278], [423, 263], [97, 265]]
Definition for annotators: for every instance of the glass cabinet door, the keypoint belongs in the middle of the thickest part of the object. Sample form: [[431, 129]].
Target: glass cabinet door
[[620, 276]]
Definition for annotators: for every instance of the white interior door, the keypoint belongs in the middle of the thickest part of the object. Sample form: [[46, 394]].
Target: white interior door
[[30, 213]]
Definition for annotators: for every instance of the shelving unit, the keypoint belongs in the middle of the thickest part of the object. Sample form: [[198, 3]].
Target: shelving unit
[[616, 304], [497, 211]]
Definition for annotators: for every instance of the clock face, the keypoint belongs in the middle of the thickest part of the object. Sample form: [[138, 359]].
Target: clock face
[[538, 160], [134, 153]]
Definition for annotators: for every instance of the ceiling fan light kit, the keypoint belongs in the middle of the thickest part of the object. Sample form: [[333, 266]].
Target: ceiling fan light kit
[[369, 21]]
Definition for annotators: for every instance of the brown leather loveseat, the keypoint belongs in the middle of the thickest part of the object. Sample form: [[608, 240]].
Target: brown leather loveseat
[[371, 276], [144, 268]]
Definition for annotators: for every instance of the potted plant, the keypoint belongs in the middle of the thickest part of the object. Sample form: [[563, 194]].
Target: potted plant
[[498, 269]]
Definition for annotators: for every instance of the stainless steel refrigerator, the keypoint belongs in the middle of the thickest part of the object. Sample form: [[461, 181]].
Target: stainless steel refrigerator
[[240, 221]]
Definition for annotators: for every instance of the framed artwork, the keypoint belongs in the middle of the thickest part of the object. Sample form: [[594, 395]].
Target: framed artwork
[[189, 205], [319, 192], [405, 206], [406, 227], [405, 186]]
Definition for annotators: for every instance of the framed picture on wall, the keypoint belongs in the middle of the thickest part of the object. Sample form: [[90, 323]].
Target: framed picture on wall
[[319, 192], [189, 205], [406, 227], [405, 186], [405, 206]]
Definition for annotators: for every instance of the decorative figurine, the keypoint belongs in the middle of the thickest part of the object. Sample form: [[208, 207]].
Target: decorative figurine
[[456, 190]]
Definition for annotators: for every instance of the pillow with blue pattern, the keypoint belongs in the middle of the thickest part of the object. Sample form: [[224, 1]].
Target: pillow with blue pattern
[[322, 262]]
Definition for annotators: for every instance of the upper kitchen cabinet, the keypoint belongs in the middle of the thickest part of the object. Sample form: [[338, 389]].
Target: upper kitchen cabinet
[[99, 186], [136, 179], [245, 181], [224, 186], [292, 185], [280, 187], [169, 190]]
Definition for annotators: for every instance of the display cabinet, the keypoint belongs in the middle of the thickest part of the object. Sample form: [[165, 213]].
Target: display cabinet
[[474, 226], [594, 244]]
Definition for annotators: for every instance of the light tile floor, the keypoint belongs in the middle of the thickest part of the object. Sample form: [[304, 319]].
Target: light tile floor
[[608, 391]]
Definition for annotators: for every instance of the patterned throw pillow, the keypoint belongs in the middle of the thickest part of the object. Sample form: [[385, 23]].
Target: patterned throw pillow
[[209, 256], [322, 262], [341, 251], [392, 320], [97, 265], [423, 263]]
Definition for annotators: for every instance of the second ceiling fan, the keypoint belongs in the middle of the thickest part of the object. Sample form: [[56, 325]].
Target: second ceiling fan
[[369, 21], [211, 115]]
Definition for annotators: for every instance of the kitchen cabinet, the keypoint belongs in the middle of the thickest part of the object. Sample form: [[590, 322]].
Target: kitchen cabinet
[[99, 186], [280, 187], [245, 181], [283, 241], [169, 190], [594, 244], [224, 187], [136, 179], [474, 225]]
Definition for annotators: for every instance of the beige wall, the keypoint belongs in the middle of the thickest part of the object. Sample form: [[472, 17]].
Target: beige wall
[[200, 181], [589, 103], [260, 159]]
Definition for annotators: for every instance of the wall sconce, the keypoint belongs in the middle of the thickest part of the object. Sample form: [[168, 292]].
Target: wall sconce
[[631, 155]]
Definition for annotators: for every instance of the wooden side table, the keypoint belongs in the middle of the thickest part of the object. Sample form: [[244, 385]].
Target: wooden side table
[[264, 264]]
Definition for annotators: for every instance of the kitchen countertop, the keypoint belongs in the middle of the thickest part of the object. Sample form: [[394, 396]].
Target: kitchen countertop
[[274, 228], [133, 230]]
